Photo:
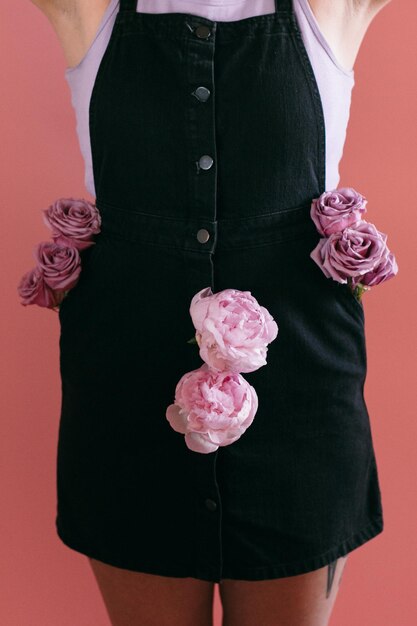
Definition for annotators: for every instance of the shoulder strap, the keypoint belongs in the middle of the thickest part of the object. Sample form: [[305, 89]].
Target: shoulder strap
[[283, 6], [128, 5]]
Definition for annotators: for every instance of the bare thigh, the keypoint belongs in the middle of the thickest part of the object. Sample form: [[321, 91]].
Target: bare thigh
[[303, 600], [139, 599]]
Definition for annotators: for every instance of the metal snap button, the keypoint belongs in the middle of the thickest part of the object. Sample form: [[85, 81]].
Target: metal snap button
[[202, 93], [203, 235], [205, 162], [202, 31], [211, 504]]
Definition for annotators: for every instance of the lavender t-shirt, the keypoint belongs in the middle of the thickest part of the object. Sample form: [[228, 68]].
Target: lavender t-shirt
[[334, 81]]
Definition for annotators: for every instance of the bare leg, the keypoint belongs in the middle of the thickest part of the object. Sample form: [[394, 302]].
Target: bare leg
[[140, 599], [303, 600]]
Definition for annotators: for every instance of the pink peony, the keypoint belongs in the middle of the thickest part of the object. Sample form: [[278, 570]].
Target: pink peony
[[232, 329], [60, 265], [73, 222], [352, 252], [335, 210], [387, 268], [33, 290], [212, 408]]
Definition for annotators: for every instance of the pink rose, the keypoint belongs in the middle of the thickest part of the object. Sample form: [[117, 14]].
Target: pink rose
[[73, 222], [33, 290], [384, 270], [60, 265], [233, 330], [351, 252], [335, 210], [211, 408]]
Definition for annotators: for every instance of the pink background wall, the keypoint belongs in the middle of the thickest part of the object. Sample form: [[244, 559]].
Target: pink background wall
[[43, 582]]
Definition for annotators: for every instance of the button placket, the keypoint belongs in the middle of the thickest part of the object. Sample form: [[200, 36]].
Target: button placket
[[201, 241], [201, 126]]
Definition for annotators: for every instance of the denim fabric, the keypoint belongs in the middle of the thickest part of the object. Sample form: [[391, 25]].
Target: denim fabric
[[300, 487]]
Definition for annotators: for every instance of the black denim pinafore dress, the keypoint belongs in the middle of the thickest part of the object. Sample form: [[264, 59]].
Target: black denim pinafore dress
[[208, 144]]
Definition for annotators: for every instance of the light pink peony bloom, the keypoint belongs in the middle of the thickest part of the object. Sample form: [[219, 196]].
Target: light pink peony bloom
[[33, 290], [73, 222], [211, 408], [335, 210], [387, 268], [232, 329], [351, 252], [60, 265]]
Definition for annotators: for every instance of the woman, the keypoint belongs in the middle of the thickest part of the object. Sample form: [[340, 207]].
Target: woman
[[207, 129]]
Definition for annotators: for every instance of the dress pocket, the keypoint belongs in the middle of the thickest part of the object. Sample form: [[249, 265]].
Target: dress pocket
[[89, 259], [90, 256], [351, 300]]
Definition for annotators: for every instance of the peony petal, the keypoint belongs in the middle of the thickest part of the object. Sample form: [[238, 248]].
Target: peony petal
[[177, 420], [199, 443]]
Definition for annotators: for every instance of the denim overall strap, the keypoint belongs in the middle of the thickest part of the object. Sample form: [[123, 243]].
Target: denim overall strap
[[128, 5], [283, 6]]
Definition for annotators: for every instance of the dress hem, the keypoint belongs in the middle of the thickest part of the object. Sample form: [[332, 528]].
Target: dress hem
[[240, 572]]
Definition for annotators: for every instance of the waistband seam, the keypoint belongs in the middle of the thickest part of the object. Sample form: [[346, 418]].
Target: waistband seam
[[173, 218]]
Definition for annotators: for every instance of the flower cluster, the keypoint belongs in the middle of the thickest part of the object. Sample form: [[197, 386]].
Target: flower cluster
[[214, 404], [73, 223], [351, 250]]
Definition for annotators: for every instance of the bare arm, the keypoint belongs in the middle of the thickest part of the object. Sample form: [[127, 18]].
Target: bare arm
[[344, 24], [75, 23]]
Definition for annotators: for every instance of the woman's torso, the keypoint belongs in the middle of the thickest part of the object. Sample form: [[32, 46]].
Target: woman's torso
[[335, 83]]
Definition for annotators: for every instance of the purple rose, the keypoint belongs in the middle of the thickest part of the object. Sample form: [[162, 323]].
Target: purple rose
[[335, 210], [352, 252], [33, 290], [73, 222], [387, 268], [60, 265]]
